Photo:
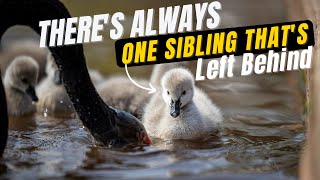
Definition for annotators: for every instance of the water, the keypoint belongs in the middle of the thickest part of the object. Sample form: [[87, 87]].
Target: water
[[263, 135]]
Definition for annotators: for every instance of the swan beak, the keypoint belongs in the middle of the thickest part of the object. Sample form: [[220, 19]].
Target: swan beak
[[146, 139], [175, 108], [32, 93], [57, 78]]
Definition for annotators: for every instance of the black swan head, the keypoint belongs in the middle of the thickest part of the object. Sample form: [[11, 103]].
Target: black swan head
[[104, 123]]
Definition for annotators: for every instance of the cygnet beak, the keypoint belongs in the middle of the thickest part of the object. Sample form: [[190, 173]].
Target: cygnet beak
[[32, 93], [175, 108], [57, 78]]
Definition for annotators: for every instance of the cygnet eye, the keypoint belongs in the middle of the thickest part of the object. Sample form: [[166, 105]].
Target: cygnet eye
[[24, 80], [168, 92], [184, 92]]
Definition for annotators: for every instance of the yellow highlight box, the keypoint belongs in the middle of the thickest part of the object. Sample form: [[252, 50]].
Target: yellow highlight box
[[214, 43]]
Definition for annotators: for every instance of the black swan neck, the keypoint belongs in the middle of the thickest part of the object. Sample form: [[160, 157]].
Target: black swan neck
[[3, 120], [92, 111]]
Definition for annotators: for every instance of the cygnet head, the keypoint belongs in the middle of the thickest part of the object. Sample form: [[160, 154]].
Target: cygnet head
[[52, 70], [22, 75], [177, 89]]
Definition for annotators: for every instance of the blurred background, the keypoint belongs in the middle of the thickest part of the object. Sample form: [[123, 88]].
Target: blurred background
[[264, 115]]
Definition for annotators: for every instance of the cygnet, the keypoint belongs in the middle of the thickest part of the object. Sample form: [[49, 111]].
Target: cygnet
[[20, 79], [121, 93], [181, 110], [53, 97]]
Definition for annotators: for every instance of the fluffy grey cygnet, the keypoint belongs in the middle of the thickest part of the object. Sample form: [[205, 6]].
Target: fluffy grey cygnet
[[121, 93], [53, 97], [181, 110], [20, 79]]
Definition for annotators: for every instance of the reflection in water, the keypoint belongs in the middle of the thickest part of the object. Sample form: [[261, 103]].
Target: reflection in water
[[263, 132]]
